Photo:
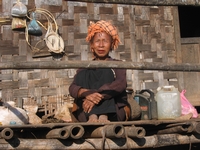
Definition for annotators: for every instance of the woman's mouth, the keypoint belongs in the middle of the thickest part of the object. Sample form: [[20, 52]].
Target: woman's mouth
[[100, 51]]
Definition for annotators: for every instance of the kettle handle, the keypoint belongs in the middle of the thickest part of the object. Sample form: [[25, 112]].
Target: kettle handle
[[148, 91]]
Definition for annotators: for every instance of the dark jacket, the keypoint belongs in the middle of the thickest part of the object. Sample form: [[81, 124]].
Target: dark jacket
[[109, 82]]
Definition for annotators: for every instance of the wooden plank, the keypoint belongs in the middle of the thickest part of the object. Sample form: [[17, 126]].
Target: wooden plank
[[7, 32], [22, 47], [9, 85], [142, 22], [148, 142], [49, 91], [69, 49], [54, 8], [175, 83], [38, 94], [18, 58], [156, 59], [143, 47], [190, 54], [169, 46], [51, 6], [154, 10], [41, 83], [191, 40], [105, 10], [145, 2], [90, 8], [15, 74], [20, 93], [34, 75], [186, 67], [83, 28], [43, 53], [5, 21], [6, 76], [31, 4], [79, 9], [9, 50], [125, 10], [67, 22], [145, 76], [169, 75], [151, 85], [52, 78], [80, 35], [149, 54], [7, 95], [23, 79], [65, 5], [4, 43]]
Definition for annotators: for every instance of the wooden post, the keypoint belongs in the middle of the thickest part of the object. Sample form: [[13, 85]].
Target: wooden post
[[145, 2], [96, 143], [185, 67]]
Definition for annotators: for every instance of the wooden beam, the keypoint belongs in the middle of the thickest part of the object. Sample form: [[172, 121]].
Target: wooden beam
[[186, 67], [153, 141], [145, 2], [5, 21]]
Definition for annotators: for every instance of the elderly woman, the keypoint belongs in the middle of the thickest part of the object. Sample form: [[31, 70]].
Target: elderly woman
[[100, 94]]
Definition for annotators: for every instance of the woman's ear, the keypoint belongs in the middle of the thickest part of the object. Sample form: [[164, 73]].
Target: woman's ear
[[112, 46], [91, 47]]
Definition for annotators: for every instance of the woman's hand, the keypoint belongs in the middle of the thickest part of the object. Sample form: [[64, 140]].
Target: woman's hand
[[90, 101], [94, 97], [87, 105]]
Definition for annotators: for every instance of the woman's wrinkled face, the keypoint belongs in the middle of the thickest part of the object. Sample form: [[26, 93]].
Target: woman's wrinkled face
[[101, 45]]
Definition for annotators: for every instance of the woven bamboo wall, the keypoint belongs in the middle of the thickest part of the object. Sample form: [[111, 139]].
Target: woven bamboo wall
[[155, 42], [146, 33]]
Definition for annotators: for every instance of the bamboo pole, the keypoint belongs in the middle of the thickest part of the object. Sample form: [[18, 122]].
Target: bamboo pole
[[174, 122], [145, 2], [96, 143], [186, 67]]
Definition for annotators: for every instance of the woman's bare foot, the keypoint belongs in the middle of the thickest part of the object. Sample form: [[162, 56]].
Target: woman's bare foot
[[103, 118], [93, 118]]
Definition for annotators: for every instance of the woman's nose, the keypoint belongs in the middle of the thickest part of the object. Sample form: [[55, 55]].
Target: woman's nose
[[101, 43]]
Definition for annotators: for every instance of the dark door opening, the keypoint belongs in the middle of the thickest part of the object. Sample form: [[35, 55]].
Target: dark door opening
[[189, 17]]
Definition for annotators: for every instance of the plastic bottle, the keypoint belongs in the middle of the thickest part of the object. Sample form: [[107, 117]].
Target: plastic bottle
[[168, 102]]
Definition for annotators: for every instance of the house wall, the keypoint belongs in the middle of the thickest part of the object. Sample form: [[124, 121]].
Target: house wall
[[147, 33], [189, 80]]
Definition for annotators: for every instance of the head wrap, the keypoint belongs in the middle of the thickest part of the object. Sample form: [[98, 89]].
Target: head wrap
[[103, 26]]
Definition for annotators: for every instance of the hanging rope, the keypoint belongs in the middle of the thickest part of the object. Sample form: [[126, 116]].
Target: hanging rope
[[52, 39]]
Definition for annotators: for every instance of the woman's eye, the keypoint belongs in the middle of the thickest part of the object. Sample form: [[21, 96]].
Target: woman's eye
[[103, 41], [96, 41]]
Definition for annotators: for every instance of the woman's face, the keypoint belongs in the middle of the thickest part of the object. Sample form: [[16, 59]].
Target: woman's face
[[101, 45]]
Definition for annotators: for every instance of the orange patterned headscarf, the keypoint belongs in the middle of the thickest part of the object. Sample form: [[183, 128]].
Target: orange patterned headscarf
[[103, 26]]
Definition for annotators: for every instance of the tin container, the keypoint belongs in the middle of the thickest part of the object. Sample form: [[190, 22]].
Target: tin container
[[148, 105]]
